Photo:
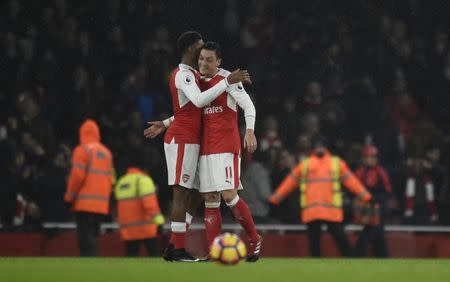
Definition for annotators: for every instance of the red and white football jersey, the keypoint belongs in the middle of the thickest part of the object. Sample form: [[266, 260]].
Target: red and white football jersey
[[186, 127], [220, 132], [187, 100]]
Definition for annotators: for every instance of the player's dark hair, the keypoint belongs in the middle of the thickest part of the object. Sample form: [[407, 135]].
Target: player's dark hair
[[186, 40], [213, 46]]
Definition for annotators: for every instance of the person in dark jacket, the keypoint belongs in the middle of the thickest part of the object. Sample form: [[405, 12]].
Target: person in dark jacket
[[372, 214], [420, 198], [52, 187]]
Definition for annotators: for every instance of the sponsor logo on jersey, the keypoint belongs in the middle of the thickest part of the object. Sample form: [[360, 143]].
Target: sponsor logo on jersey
[[213, 110]]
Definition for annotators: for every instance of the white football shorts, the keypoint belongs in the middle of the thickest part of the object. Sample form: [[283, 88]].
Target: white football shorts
[[219, 172], [182, 163]]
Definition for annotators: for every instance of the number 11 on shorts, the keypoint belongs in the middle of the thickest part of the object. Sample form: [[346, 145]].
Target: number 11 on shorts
[[228, 174]]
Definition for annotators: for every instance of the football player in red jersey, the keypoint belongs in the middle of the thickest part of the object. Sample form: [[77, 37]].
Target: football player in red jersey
[[182, 139], [220, 150]]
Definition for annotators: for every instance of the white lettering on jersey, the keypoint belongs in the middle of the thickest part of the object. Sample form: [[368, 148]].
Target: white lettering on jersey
[[212, 110]]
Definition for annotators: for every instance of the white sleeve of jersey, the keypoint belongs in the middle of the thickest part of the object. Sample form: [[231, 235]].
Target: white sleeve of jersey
[[185, 81], [168, 121], [242, 98]]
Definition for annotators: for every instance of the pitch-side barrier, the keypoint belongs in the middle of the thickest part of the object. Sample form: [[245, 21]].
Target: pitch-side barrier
[[280, 228]]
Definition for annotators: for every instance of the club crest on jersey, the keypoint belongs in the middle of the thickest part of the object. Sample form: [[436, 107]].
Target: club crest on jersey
[[188, 80], [185, 178]]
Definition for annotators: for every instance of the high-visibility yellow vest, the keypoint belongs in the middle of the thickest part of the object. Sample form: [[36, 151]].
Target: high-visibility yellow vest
[[336, 183], [134, 186]]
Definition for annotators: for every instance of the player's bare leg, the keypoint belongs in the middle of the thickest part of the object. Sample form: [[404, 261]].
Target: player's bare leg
[[241, 213], [178, 227], [192, 202], [213, 218]]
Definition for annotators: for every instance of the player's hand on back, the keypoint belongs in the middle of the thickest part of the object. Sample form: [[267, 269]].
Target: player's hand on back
[[250, 142], [239, 76], [155, 129]]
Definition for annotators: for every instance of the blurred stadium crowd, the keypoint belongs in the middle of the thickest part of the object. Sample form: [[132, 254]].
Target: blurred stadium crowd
[[358, 72]]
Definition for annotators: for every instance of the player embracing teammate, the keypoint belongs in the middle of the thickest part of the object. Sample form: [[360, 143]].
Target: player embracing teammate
[[220, 150]]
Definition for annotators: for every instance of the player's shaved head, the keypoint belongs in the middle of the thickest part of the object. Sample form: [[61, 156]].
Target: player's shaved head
[[186, 40]]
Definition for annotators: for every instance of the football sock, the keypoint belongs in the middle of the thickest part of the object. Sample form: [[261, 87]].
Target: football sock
[[242, 213], [188, 220], [178, 234], [188, 224], [213, 221]]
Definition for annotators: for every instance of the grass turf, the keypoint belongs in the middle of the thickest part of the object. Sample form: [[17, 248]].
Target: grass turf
[[267, 269]]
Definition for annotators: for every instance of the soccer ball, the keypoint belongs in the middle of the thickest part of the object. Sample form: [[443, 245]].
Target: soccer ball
[[227, 249]]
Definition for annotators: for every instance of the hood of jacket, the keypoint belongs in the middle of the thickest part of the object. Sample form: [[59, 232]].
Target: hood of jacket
[[89, 132]]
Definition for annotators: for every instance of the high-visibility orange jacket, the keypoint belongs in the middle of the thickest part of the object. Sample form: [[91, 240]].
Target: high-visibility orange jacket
[[319, 181], [91, 177], [137, 206]]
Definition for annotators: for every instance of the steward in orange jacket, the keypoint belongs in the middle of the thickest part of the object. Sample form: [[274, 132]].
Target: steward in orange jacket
[[319, 179], [138, 211], [89, 186]]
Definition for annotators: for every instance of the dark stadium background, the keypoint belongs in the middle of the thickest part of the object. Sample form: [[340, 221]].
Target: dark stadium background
[[356, 71]]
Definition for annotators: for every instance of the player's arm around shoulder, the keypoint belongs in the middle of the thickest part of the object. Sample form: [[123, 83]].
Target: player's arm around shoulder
[[185, 81]]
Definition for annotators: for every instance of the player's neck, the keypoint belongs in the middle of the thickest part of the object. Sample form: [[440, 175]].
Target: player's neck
[[213, 74], [189, 62]]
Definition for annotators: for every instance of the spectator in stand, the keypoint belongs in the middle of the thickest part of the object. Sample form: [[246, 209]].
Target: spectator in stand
[[420, 202], [332, 120], [310, 125], [438, 175], [373, 214], [288, 210], [13, 160], [270, 137], [313, 100], [302, 147], [258, 187], [401, 106], [52, 187], [38, 139], [290, 127]]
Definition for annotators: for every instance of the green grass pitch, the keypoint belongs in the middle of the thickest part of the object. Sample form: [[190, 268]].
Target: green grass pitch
[[267, 269]]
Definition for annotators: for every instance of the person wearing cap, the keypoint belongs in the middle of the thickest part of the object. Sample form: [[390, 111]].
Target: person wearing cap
[[319, 178], [371, 214]]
